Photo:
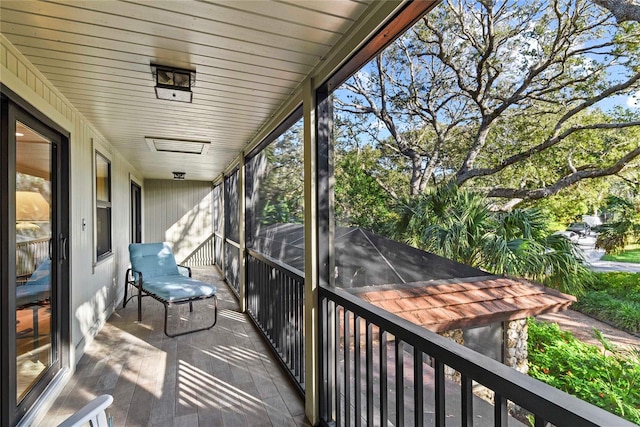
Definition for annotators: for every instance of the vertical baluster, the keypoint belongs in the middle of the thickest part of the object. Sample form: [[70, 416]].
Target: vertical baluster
[[284, 284], [418, 390], [248, 283], [440, 394], [293, 307], [347, 368], [292, 317], [330, 343], [260, 291], [264, 304], [298, 327], [399, 382], [338, 380], [253, 276], [282, 315], [279, 310], [384, 411], [252, 285], [256, 287], [540, 421], [273, 309], [467, 401], [325, 389], [284, 279], [301, 326], [369, 368], [357, 368], [500, 410], [289, 314]]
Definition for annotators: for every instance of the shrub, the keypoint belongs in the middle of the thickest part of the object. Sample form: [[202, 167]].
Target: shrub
[[614, 298], [608, 378]]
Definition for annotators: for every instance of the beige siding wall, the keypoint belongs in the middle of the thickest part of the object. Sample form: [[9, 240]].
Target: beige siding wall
[[95, 289], [178, 212]]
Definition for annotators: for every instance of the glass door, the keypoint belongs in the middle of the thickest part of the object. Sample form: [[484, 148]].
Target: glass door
[[35, 278], [34, 231]]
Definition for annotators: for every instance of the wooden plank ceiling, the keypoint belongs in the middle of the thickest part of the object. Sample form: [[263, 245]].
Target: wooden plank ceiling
[[249, 56]]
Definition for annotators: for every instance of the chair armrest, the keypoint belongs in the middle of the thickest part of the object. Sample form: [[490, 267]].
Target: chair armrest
[[134, 275], [184, 270], [93, 412]]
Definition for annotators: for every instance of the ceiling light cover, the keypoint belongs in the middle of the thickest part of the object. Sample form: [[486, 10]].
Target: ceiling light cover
[[173, 84], [174, 145]]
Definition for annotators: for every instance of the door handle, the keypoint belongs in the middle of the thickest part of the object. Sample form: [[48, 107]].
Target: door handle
[[63, 250]]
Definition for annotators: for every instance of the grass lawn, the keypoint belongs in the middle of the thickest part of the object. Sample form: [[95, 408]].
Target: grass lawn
[[629, 255]]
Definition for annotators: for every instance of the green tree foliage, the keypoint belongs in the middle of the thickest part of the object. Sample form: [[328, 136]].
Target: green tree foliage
[[503, 95], [623, 228], [458, 224], [360, 199], [277, 182]]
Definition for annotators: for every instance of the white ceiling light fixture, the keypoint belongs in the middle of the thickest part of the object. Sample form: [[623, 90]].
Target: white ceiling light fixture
[[173, 84], [180, 146]]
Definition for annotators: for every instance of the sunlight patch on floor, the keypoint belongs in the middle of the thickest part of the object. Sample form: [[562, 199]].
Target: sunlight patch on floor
[[233, 315], [198, 388]]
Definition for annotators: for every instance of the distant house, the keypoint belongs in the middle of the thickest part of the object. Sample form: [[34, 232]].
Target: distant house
[[477, 309]]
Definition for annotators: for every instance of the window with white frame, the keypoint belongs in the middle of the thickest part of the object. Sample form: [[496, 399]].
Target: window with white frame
[[103, 206]]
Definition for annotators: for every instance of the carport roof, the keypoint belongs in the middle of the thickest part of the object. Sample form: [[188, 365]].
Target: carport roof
[[429, 290], [466, 303]]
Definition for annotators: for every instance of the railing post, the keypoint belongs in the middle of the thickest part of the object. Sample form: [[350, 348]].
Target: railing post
[[242, 273], [223, 236], [311, 324]]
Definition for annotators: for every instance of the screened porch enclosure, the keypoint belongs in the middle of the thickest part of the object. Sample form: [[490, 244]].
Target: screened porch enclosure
[[246, 177]]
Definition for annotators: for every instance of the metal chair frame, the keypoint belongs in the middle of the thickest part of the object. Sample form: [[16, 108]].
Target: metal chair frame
[[130, 279]]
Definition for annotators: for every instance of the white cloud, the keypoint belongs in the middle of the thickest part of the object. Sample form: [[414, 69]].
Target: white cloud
[[633, 101]]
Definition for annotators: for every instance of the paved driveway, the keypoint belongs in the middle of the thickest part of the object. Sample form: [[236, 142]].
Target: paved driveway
[[593, 257]]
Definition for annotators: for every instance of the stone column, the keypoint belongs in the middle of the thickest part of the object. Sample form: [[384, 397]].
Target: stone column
[[456, 336], [516, 336]]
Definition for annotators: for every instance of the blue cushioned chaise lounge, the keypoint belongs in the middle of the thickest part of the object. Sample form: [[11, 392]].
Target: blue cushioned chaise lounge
[[155, 273]]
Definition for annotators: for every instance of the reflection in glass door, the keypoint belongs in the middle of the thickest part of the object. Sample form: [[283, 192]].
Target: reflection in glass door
[[35, 227]]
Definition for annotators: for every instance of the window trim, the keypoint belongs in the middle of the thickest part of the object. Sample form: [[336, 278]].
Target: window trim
[[98, 150]]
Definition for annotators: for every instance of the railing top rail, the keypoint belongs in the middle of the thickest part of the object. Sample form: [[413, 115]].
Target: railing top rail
[[556, 406], [232, 243], [34, 241], [291, 271], [206, 241]]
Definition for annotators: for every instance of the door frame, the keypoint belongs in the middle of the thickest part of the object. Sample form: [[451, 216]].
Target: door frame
[[136, 202], [12, 108]]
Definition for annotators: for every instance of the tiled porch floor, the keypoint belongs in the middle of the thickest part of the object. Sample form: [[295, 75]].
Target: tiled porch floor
[[226, 376]]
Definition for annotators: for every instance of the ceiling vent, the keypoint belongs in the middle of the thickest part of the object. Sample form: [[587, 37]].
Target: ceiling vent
[[180, 146]]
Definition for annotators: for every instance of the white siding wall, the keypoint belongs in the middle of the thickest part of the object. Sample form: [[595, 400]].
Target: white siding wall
[[178, 212], [95, 290]]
